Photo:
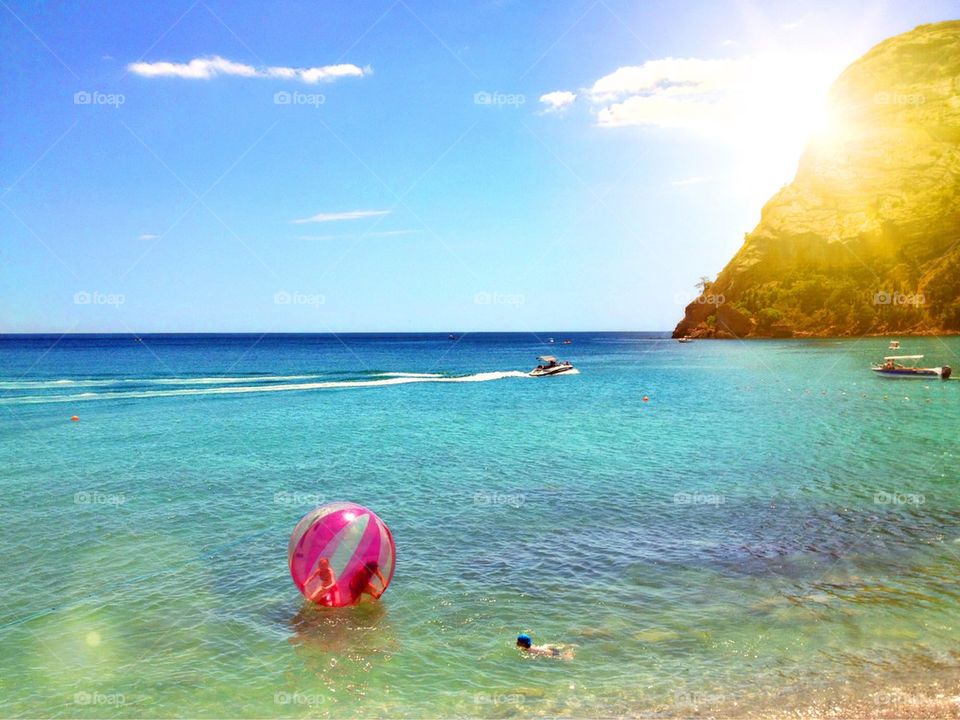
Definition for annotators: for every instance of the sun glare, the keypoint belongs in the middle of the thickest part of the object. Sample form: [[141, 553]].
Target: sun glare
[[778, 109]]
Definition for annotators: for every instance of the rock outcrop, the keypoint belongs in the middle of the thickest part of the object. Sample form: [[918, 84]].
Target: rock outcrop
[[866, 239]]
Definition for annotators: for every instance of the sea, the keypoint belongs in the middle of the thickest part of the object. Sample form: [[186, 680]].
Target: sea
[[709, 525]]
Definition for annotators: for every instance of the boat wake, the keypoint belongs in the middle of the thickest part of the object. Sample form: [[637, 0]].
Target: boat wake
[[262, 384], [97, 382]]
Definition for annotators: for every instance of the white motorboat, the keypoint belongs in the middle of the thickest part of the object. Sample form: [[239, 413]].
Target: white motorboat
[[549, 365], [905, 366]]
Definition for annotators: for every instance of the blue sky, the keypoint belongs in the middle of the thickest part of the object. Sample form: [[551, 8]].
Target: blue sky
[[395, 166]]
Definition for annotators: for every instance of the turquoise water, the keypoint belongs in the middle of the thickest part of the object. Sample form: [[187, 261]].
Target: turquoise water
[[774, 517]]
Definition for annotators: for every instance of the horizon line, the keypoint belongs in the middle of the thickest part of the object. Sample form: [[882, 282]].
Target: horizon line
[[325, 332]]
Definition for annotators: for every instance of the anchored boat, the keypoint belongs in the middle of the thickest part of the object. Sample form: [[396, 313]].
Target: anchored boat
[[905, 366]]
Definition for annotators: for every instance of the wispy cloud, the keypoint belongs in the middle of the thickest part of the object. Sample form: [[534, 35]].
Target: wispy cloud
[[148, 236], [390, 233], [695, 180], [383, 233], [337, 216], [205, 68], [557, 101], [794, 24]]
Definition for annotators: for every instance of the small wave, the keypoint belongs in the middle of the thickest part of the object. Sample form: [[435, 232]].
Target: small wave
[[244, 389]]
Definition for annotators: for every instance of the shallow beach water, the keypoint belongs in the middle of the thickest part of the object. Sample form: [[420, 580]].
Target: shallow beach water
[[774, 519]]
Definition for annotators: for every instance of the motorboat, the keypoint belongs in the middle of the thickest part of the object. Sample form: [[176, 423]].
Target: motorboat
[[906, 366], [894, 345], [549, 365], [685, 339]]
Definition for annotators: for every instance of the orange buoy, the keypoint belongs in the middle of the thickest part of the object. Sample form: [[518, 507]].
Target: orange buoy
[[74, 418], [646, 398]]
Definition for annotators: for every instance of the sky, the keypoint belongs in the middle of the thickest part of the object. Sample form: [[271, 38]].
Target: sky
[[399, 165]]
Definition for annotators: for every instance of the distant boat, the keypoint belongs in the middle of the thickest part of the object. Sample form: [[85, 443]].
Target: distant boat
[[550, 366], [894, 345], [684, 339], [551, 341], [452, 337], [892, 367], [568, 341]]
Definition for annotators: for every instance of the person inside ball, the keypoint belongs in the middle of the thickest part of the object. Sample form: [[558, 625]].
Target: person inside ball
[[561, 652], [362, 581], [323, 594]]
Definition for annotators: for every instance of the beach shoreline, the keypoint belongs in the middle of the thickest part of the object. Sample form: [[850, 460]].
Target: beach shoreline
[[899, 698]]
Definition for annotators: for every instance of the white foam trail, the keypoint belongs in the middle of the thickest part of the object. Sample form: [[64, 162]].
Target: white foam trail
[[41, 384], [409, 375], [244, 389]]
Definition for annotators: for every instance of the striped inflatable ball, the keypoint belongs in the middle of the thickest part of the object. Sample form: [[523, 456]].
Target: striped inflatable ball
[[340, 551]]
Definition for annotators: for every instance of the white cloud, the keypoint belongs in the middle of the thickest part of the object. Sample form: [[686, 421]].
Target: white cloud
[[148, 236], [765, 106], [669, 76], [557, 101], [337, 216], [384, 233], [794, 24], [713, 96], [695, 180], [205, 68], [390, 233]]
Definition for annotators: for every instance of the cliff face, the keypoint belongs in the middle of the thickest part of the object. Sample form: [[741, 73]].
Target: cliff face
[[867, 236]]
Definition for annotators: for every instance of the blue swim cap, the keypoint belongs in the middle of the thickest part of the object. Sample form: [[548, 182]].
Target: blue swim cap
[[524, 639]]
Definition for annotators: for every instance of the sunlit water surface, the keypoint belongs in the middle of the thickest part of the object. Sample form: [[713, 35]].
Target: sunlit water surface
[[773, 517]]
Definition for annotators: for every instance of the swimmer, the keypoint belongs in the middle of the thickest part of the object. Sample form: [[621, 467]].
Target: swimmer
[[562, 652]]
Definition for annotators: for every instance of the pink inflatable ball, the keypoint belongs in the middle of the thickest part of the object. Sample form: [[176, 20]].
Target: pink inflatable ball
[[338, 552]]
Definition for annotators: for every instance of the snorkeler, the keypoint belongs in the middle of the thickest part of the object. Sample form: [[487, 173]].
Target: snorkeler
[[328, 583], [562, 652]]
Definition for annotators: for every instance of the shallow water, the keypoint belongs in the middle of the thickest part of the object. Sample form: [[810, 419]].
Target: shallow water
[[773, 517]]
